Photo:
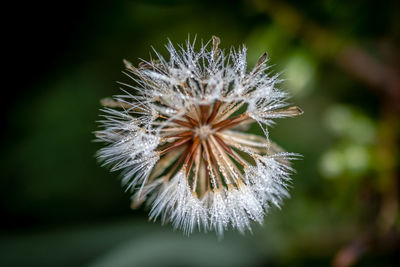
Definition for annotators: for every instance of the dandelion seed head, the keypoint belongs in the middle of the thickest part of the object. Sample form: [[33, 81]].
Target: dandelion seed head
[[177, 137]]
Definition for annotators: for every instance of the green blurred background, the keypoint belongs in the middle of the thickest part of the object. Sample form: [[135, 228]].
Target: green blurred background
[[340, 60]]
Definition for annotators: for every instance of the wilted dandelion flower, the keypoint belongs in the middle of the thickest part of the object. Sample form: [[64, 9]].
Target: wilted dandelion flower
[[179, 137]]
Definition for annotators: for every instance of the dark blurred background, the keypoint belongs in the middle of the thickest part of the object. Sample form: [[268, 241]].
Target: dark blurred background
[[341, 62]]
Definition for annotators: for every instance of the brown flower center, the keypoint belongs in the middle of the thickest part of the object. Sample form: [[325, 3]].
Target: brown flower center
[[202, 145]]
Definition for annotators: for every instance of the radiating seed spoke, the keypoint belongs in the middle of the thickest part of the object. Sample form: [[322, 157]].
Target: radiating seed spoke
[[228, 123], [214, 112], [214, 164], [193, 148], [175, 144], [192, 121], [177, 164], [205, 109], [184, 123], [182, 134], [229, 150]]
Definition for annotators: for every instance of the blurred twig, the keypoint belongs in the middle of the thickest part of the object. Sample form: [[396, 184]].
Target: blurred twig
[[383, 77]]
